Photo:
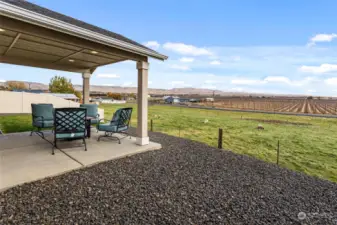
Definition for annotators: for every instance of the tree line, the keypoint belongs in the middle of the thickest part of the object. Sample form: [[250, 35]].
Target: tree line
[[59, 84]]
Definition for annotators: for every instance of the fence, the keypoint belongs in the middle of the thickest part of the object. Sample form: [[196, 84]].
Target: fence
[[20, 102], [306, 144], [219, 138]]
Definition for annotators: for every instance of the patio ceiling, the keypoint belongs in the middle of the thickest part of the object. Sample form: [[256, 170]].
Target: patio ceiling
[[34, 36], [29, 45], [31, 35]]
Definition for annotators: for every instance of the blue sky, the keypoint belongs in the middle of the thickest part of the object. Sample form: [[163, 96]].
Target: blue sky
[[283, 47]]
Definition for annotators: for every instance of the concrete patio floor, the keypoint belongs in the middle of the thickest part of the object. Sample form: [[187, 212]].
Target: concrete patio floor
[[24, 158]]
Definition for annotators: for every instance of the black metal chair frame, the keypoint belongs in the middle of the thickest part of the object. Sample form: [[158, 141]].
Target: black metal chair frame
[[121, 122], [63, 124], [97, 117], [38, 131]]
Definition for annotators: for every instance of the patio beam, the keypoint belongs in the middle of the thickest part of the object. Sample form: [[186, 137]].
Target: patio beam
[[86, 86], [13, 43], [40, 64], [142, 103], [68, 56], [108, 63], [30, 29]]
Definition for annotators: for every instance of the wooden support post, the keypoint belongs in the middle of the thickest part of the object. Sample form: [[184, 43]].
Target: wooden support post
[[278, 152], [220, 139]]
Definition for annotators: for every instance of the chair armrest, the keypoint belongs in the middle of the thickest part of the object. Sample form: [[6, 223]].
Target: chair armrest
[[35, 117], [99, 121], [104, 120]]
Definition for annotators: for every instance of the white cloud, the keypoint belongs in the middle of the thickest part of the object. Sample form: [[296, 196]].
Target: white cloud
[[108, 76], [236, 89], [179, 83], [244, 81], [215, 62], [152, 44], [150, 82], [211, 81], [107, 84], [321, 38], [180, 67], [186, 59], [236, 58], [323, 68], [208, 86], [277, 79], [184, 49], [127, 84], [2, 81], [311, 91], [331, 81], [272, 79], [286, 80]]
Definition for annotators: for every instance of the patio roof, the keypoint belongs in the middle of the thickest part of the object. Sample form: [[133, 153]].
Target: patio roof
[[35, 36], [38, 37]]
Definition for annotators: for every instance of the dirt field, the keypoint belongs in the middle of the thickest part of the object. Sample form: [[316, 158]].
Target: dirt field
[[303, 106]]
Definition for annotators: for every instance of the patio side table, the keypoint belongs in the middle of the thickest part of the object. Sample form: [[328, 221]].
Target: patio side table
[[88, 126]]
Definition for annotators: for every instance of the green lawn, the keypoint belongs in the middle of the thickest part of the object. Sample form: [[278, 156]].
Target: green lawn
[[308, 148]]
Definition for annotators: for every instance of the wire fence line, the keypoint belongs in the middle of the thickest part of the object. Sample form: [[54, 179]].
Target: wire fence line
[[285, 149], [306, 144], [218, 134], [197, 106]]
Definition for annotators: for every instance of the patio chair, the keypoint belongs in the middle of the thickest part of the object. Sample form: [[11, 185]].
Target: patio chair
[[118, 125], [92, 111], [70, 124], [42, 117]]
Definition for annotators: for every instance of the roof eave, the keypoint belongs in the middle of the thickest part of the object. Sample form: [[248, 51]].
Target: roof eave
[[19, 13]]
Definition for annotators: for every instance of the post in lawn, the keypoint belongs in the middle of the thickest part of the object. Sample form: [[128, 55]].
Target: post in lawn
[[278, 152], [151, 125], [220, 139]]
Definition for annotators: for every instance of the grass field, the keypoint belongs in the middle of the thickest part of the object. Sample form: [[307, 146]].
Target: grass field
[[310, 147]]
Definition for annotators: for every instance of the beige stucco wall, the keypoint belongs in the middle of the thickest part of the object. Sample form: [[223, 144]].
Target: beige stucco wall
[[20, 102]]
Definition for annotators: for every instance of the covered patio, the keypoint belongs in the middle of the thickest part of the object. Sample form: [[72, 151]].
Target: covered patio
[[25, 159], [38, 37], [34, 36]]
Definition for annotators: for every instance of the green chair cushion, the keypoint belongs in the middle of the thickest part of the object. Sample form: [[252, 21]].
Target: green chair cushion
[[43, 124], [70, 135], [43, 110], [116, 115], [92, 109], [110, 127], [94, 121]]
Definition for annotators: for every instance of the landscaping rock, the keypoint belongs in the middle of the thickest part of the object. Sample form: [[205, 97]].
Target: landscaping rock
[[186, 182]]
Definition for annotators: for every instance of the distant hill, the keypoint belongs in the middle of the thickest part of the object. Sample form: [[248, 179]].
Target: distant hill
[[153, 91], [156, 91]]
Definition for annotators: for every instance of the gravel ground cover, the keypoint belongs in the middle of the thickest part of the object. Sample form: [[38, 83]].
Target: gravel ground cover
[[186, 182]]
